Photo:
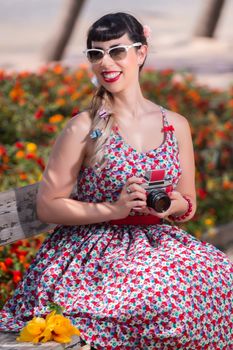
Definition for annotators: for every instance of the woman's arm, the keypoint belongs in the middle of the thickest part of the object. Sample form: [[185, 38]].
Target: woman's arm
[[186, 184], [60, 176]]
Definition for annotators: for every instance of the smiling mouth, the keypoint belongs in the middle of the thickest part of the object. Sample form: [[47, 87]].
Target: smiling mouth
[[111, 77]]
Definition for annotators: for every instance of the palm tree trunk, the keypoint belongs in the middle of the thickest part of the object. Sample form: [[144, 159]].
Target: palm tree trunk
[[208, 20], [71, 11]]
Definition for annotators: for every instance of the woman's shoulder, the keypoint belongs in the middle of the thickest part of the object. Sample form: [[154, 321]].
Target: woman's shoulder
[[76, 129], [82, 121], [179, 122]]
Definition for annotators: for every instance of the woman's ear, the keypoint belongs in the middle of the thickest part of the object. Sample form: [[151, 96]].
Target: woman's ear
[[142, 53]]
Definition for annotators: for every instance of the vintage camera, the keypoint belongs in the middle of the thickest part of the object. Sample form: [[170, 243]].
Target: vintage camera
[[157, 186]]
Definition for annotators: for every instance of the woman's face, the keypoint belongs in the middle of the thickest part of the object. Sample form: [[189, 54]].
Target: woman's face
[[118, 75]]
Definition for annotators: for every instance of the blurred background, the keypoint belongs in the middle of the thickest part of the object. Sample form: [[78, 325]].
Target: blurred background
[[29, 29], [45, 80]]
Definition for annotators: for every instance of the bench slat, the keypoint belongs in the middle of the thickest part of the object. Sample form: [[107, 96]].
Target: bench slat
[[18, 218]]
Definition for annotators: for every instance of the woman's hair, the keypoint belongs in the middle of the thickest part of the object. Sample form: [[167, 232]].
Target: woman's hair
[[109, 27]]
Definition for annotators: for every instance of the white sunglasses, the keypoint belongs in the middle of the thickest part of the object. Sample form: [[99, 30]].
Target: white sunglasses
[[117, 53]]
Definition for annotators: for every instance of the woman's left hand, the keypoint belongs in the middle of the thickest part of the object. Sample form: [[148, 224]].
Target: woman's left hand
[[178, 206]]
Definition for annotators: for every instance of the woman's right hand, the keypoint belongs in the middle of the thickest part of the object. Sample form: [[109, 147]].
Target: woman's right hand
[[132, 196]]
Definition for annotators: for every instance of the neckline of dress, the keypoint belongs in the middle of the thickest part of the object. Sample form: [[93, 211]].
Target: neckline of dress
[[116, 131]]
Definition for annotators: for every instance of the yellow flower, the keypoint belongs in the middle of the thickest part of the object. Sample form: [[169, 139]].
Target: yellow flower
[[35, 331], [61, 327], [56, 118], [31, 147], [209, 222], [54, 327], [20, 154]]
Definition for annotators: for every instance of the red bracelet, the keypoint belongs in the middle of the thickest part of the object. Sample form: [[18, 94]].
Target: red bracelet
[[185, 215]]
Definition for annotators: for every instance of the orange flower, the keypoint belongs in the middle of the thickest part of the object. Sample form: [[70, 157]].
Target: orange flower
[[56, 118], [79, 74], [23, 74], [58, 69], [230, 103], [68, 78], [75, 95], [23, 176], [17, 93], [51, 83], [22, 259], [227, 184], [83, 66], [20, 154], [60, 102], [61, 91], [194, 95], [2, 74], [5, 159], [3, 266]]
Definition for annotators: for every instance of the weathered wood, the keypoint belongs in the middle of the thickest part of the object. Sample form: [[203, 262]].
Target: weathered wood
[[18, 218], [8, 342]]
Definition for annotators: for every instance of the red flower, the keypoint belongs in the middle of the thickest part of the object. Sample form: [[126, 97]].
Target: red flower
[[19, 145], [2, 150], [39, 113], [201, 193], [75, 111], [17, 275], [49, 128], [30, 156], [8, 262], [41, 163]]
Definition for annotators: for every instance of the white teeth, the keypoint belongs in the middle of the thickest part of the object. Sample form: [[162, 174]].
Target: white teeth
[[111, 75]]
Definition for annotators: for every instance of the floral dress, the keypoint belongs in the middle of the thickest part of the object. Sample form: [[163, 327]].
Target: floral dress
[[130, 286]]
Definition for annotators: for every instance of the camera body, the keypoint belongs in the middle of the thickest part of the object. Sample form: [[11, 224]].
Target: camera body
[[157, 185]]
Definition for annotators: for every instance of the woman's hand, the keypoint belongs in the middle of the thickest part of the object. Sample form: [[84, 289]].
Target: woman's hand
[[132, 196], [178, 206]]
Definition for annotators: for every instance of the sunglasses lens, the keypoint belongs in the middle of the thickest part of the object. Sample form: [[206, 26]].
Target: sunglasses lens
[[118, 53], [94, 56]]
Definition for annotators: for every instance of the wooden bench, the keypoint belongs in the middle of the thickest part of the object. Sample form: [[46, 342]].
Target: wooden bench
[[18, 220]]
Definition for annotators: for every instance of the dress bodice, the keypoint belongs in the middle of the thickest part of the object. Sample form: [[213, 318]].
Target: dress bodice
[[123, 161]]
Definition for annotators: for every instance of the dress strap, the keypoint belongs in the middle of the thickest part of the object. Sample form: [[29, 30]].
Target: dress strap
[[166, 126], [163, 111]]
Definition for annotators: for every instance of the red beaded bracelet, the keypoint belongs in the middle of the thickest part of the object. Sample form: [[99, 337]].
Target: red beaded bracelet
[[185, 215]]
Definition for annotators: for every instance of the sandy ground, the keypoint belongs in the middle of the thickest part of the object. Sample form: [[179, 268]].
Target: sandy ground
[[29, 29]]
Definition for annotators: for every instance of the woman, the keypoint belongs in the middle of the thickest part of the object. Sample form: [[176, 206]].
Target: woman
[[126, 279]]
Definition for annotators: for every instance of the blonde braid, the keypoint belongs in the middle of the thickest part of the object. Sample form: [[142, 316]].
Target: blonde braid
[[101, 99]]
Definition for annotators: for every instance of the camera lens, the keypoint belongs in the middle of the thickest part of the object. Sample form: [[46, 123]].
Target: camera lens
[[158, 200]]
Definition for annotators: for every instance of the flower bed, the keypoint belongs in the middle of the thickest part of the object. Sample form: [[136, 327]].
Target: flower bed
[[35, 106]]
